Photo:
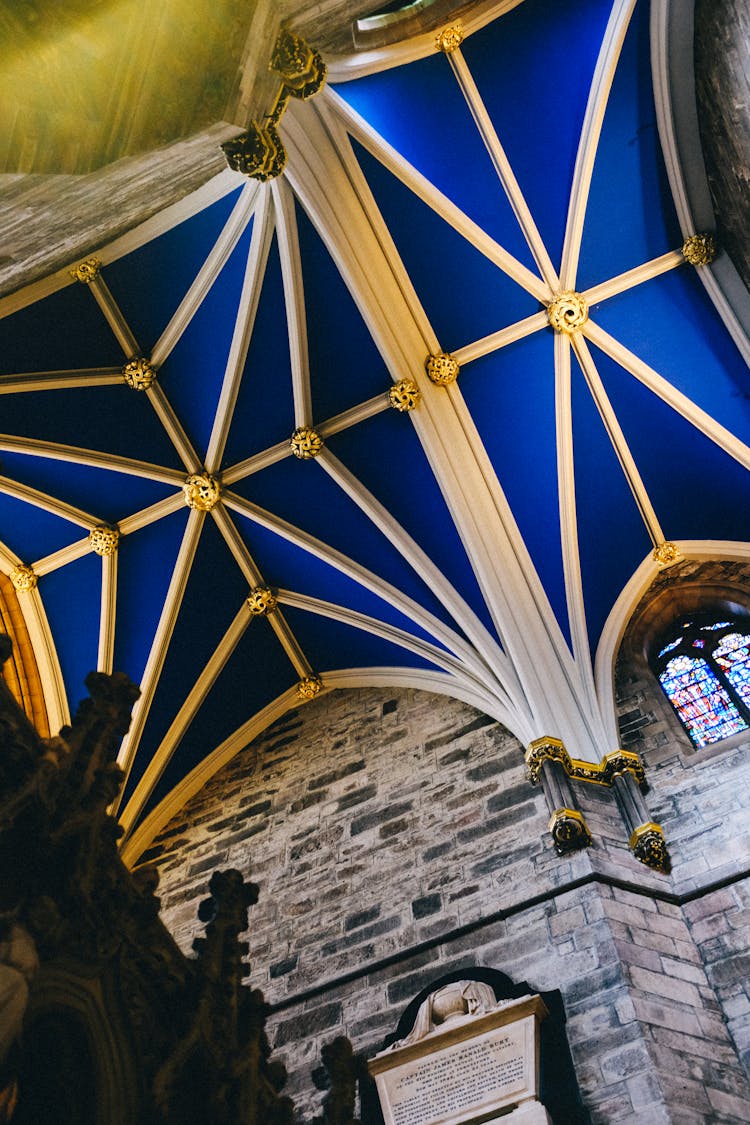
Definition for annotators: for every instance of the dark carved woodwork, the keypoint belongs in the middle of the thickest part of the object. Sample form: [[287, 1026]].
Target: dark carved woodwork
[[164, 1039]]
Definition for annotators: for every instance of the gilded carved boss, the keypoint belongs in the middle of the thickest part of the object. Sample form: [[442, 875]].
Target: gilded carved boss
[[665, 554], [86, 271], [261, 600], [202, 492], [699, 249], [305, 443], [23, 578], [138, 373], [404, 395], [103, 540], [568, 312], [309, 686], [450, 38], [442, 368]]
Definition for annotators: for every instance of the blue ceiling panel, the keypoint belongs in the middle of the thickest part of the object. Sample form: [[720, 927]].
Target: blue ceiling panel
[[698, 490], [192, 374], [630, 216], [330, 645], [345, 366], [612, 538], [705, 365], [303, 493], [435, 256], [145, 561], [208, 608], [420, 110], [257, 673], [107, 496], [264, 412], [397, 480], [511, 395], [33, 533], [288, 567], [149, 283], [64, 332], [535, 87], [72, 602], [114, 419]]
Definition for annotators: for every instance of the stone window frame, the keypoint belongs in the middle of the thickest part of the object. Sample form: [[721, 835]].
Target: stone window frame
[[652, 620]]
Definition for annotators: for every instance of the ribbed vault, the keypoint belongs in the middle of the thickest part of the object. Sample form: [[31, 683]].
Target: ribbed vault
[[432, 408]]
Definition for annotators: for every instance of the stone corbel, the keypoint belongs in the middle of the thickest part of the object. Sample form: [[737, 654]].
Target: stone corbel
[[550, 765], [547, 761]]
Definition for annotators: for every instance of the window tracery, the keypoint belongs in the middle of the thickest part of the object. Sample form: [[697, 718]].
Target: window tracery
[[703, 666]]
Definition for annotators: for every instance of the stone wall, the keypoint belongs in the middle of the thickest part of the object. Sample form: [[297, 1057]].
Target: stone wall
[[722, 80], [395, 839], [701, 798], [49, 222]]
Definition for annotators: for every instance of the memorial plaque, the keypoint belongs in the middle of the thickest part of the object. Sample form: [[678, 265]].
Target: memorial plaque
[[464, 1072]]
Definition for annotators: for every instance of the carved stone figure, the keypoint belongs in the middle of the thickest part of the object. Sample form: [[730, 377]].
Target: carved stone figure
[[455, 1001], [18, 965]]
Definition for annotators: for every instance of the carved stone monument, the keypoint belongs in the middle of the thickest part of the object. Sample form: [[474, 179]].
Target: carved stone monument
[[467, 1059]]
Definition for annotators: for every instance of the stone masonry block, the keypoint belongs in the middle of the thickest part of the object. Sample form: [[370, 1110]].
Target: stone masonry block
[[670, 988]]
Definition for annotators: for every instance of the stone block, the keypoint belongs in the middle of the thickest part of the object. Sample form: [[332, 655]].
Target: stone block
[[683, 970], [307, 1023], [353, 921], [625, 1062], [633, 954], [428, 904], [567, 921], [356, 797], [379, 816], [671, 988], [281, 968], [728, 1105]]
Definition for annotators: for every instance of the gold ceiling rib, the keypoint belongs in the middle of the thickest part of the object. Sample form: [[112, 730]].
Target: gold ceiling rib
[[617, 439], [588, 145], [264, 225], [503, 168], [425, 190], [139, 373], [290, 257], [258, 597]]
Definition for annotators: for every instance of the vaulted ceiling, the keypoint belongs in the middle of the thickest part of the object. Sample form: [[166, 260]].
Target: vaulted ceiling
[[484, 537]]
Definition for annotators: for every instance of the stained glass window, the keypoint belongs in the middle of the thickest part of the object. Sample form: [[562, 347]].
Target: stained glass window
[[670, 646], [733, 656], [709, 689]]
